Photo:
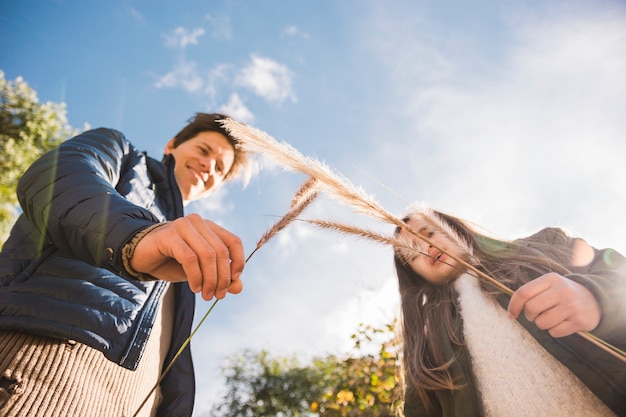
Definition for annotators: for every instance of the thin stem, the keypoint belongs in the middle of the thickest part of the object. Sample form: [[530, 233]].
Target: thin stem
[[180, 351], [607, 347]]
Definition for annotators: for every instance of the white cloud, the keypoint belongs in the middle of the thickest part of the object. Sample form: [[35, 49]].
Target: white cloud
[[268, 79], [181, 37], [377, 307], [184, 75], [237, 109]]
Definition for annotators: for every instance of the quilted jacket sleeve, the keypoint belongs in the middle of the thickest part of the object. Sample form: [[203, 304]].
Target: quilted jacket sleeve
[[605, 277], [70, 195]]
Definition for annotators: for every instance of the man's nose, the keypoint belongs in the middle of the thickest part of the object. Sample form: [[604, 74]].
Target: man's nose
[[208, 164]]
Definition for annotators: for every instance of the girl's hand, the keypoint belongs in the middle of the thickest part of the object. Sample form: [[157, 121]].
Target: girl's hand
[[557, 304]]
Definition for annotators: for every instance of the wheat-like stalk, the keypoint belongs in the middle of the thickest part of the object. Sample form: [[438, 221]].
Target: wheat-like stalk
[[309, 187], [301, 200], [406, 247], [398, 242], [256, 141]]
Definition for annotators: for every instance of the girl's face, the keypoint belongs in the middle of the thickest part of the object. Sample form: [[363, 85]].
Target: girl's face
[[201, 163], [429, 262]]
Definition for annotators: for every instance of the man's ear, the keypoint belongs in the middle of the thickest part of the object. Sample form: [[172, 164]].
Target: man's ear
[[169, 147]]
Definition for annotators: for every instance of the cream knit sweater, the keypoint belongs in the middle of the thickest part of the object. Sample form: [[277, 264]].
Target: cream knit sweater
[[515, 375]]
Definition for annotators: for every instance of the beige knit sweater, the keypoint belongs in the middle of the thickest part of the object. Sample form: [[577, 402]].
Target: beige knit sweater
[[46, 377]]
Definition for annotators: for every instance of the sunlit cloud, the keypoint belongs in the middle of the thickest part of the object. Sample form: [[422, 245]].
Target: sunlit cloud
[[237, 109], [268, 79], [184, 75], [181, 37]]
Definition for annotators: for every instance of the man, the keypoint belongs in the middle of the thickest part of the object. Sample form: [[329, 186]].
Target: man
[[98, 276]]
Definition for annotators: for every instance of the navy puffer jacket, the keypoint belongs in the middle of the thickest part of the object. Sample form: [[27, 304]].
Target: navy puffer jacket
[[61, 271]]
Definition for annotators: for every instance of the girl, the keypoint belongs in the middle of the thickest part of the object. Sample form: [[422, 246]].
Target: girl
[[464, 355]]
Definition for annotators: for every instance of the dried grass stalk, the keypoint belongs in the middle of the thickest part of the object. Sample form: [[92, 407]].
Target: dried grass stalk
[[255, 141], [397, 242], [301, 200], [309, 187], [406, 248]]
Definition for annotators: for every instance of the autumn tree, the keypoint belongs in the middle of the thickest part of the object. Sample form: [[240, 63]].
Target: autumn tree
[[363, 385], [359, 385], [28, 128]]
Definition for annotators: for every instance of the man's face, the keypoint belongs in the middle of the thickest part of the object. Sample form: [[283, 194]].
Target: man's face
[[202, 162]]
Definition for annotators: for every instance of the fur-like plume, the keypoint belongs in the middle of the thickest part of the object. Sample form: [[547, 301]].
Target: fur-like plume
[[305, 195], [255, 141], [435, 220], [406, 248], [399, 242], [309, 187]]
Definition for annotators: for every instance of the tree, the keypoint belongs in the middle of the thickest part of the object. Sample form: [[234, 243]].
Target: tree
[[361, 385], [262, 386], [27, 130]]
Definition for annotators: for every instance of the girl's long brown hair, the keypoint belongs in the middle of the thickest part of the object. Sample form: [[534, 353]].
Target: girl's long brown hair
[[428, 310]]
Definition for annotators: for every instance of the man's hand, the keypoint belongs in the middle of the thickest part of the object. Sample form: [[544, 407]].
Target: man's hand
[[196, 250], [557, 304]]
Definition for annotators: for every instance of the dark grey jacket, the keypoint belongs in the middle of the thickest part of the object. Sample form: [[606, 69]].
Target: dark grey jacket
[[61, 272]]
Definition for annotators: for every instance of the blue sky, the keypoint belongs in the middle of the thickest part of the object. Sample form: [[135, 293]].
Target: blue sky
[[508, 113]]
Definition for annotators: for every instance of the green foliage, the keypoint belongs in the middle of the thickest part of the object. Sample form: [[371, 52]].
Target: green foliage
[[27, 130], [261, 386], [361, 385]]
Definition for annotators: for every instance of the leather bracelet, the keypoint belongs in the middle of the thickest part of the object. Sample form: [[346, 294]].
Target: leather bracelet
[[129, 249]]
